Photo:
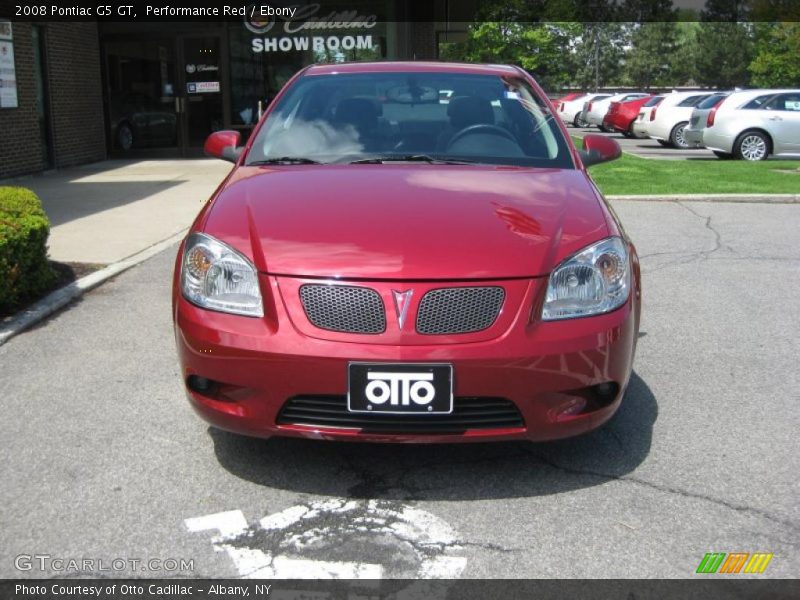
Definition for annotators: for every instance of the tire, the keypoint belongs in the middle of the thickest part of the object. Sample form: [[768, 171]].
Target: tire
[[125, 137], [628, 133], [723, 155], [665, 143], [577, 121], [753, 146], [676, 137]]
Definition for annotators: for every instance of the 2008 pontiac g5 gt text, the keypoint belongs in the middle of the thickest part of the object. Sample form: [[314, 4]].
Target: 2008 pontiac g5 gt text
[[407, 252]]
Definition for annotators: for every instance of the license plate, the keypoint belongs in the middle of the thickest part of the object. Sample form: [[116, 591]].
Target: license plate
[[400, 388]]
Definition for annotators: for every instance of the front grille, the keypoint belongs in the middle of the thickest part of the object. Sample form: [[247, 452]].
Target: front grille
[[468, 413], [344, 308], [459, 310]]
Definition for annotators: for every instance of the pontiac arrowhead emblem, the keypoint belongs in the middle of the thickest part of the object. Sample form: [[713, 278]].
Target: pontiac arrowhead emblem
[[402, 300]]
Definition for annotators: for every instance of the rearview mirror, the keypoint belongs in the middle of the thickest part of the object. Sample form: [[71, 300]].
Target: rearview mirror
[[599, 149], [224, 145]]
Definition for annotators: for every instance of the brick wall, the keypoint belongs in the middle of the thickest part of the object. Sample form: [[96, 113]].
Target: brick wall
[[20, 150], [76, 93], [76, 100]]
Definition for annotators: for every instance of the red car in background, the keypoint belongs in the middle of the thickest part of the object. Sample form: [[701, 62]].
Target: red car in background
[[381, 265], [621, 115]]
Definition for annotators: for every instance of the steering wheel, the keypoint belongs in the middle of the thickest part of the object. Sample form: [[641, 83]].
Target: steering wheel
[[481, 128]]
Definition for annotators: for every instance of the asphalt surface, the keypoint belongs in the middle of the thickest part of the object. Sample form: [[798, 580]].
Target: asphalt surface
[[104, 459]]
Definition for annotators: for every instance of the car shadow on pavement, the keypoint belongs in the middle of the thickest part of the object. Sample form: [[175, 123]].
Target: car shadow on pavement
[[447, 471]]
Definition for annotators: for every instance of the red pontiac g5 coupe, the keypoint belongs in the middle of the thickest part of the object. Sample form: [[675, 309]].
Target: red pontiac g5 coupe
[[385, 265]]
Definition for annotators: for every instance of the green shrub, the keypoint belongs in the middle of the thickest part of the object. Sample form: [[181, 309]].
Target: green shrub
[[24, 269]]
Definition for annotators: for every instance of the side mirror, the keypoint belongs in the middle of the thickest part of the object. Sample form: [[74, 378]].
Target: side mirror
[[224, 145], [599, 149]]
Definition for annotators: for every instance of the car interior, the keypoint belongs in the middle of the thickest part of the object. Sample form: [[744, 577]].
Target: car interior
[[387, 118]]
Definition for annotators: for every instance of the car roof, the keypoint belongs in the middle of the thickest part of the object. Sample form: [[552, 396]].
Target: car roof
[[738, 98], [413, 66]]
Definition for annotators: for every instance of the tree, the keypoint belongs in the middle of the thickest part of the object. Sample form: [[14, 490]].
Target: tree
[[777, 60], [598, 53], [649, 61], [536, 47], [724, 46]]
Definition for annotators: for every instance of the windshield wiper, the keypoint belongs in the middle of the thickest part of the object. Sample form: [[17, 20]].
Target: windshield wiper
[[286, 160], [375, 160]]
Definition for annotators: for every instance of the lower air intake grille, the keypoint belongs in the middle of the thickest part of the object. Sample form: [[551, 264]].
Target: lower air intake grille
[[459, 310], [468, 413], [344, 308]]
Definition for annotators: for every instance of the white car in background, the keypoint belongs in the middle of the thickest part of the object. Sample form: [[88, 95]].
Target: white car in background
[[570, 112], [641, 126], [755, 124], [595, 110], [671, 116]]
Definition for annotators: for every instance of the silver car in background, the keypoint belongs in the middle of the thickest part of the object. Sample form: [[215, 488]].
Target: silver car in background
[[693, 133], [755, 124]]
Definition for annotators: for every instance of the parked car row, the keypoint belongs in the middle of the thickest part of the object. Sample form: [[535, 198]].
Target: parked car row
[[750, 125]]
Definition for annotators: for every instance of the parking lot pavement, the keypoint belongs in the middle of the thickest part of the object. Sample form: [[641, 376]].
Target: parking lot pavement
[[105, 459], [647, 148]]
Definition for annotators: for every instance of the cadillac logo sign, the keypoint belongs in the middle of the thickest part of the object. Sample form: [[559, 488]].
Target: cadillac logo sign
[[262, 18]]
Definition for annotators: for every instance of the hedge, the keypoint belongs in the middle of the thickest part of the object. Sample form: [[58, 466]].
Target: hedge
[[24, 270]]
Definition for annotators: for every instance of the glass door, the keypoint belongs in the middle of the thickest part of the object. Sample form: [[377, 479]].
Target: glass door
[[142, 96], [201, 101]]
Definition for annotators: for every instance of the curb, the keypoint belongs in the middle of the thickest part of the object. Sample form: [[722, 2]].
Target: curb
[[742, 198], [63, 296]]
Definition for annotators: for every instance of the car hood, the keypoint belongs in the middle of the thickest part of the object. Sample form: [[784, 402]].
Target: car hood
[[414, 222]]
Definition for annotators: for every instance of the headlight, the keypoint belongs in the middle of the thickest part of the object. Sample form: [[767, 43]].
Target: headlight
[[217, 277], [594, 281]]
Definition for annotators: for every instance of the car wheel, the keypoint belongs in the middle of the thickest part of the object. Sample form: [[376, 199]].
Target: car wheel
[[629, 132], [677, 137], [577, 120], [752, 145], [125, 137], [723, 155], [665, 143]]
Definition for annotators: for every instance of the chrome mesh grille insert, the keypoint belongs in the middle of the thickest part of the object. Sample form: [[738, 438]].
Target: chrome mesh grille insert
[[459, 310], [344, 308]]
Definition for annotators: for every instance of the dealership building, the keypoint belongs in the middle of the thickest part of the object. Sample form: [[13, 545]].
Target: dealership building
[[74, 92]]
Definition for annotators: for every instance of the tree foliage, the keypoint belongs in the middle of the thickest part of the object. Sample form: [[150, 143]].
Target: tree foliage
[[777, 61], [652, 50]]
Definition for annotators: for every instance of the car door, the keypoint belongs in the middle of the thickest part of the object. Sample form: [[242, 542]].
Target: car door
[[782, 122]]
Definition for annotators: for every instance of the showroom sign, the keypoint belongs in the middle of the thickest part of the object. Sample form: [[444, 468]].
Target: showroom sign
[[306, 19]]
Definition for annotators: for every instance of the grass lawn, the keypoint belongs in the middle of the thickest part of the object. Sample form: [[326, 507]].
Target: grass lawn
[[633, 175]]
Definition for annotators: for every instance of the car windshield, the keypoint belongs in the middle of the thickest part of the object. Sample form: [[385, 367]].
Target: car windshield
[[405, 116]]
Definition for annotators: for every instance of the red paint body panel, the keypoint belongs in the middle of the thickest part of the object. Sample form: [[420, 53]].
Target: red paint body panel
[[302, 218], [406, 227], [621, 114]]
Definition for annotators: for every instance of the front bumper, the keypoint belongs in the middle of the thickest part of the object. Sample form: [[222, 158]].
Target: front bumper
[[542, 367]]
